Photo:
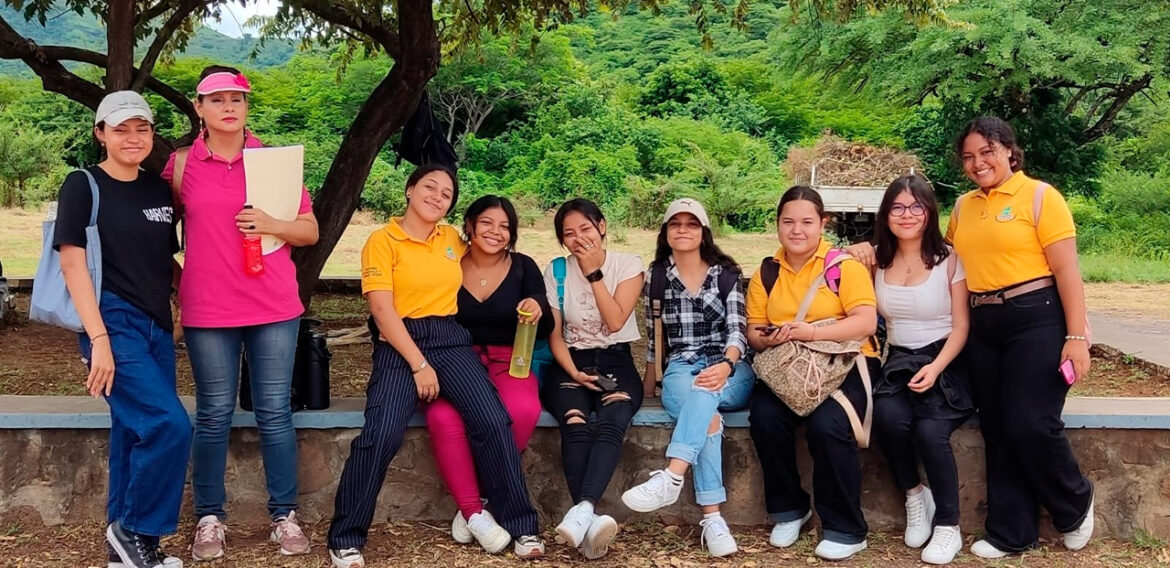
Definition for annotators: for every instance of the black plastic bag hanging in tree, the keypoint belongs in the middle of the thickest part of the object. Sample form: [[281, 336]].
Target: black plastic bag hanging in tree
[[423, 141]]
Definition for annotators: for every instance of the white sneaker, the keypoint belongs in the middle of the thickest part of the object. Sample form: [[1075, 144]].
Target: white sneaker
[[786, 533], [347, 558], [984, 549], [1077, 539], [919, 518], [717, 537], [597, 538], [830, 550], [459, 530], [944, 545], [210, 539], [491, 536], [528, 547], [575, 524], [657, 492]]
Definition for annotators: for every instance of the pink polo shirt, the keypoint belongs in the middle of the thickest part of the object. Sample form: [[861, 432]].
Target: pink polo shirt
[[215, 291]]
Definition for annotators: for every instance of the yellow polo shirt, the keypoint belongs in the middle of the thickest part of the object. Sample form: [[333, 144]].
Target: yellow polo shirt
[[997, 239], [424, 275], [782, 304]]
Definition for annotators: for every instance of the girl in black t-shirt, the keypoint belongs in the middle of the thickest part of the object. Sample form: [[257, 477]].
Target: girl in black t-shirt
[[127, 341]]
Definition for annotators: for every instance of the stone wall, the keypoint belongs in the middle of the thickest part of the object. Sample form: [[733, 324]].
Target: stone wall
[[61, 475]]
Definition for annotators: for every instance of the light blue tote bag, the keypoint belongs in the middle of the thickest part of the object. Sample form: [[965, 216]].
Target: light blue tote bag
[[50, 302]]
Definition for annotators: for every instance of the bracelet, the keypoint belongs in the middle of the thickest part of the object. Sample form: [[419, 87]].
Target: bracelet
[[98, 336], [420, 368], [1076, 338]]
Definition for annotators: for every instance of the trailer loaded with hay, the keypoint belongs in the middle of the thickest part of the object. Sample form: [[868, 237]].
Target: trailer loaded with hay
[[851, 178]]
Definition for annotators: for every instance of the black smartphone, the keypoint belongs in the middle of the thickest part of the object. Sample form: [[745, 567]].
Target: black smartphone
[[604, 380], [768, 329], [607, 382]]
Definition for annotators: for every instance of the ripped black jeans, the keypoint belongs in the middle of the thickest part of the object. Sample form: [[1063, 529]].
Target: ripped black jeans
[[593, 424]]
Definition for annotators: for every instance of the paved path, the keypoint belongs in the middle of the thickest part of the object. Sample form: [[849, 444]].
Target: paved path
[[1146, 338]]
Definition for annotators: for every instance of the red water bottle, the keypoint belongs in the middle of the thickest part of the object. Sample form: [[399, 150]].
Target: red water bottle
[[253, 256]]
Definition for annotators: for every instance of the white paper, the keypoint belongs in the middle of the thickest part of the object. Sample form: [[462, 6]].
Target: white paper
[[275, 179]]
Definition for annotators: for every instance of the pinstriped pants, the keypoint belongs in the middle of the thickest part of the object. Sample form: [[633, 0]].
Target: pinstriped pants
[[391, 399]]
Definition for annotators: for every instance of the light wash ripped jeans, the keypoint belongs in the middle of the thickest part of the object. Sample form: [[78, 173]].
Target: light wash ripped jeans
[[693, 408]]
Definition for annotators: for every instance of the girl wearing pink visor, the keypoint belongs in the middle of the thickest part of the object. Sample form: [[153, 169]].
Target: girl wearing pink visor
[[226, 311]]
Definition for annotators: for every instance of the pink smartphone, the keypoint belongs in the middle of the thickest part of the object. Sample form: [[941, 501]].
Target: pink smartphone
[[1070, 373]]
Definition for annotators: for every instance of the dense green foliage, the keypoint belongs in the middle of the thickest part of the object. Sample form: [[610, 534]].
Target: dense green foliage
[[633, 111]]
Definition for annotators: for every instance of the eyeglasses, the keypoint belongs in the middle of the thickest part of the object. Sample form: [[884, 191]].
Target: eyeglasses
[[916, 209]]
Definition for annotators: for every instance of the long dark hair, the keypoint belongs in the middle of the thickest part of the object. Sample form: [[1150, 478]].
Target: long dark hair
[[484, 203], [425, 169], [934, 247], [994, 130], [708, 251], [583, 206]]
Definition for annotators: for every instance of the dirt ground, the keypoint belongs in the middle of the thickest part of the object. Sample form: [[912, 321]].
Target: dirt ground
[[41, 360], [645, 544]]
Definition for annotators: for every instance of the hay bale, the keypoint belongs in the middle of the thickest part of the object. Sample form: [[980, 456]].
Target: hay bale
[[848, 164]]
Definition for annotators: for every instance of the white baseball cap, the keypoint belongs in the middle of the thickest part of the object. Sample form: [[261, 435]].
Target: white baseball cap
[[686, 205], [120, 106]]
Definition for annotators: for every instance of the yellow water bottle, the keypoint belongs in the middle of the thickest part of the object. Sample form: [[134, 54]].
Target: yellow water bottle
[[522, 347]]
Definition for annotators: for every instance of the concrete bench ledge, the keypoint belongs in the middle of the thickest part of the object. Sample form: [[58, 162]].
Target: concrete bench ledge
[[88, 413]]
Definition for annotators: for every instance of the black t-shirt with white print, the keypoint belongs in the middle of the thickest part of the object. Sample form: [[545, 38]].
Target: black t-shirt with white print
[[136, 223]]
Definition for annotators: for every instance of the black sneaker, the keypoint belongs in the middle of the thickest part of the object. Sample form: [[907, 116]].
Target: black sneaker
[[134, 550], [114, 561]]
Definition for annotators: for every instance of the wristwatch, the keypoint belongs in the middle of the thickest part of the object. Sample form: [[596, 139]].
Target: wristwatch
[[421, 366], [594, 276]]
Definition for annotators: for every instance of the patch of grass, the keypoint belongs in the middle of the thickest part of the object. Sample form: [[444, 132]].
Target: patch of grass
[[1111, 267], [1145, 540], [13, 529]]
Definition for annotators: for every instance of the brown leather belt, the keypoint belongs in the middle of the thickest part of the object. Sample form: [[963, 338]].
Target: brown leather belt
[[997, 297]]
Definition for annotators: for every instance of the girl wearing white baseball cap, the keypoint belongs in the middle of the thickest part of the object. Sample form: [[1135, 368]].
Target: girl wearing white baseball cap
[[127, 320], [698, 349]]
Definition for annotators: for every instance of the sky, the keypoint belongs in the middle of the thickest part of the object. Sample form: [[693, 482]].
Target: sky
[[234, 16]]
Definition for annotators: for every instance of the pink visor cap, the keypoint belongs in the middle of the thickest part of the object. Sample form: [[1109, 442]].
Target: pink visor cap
[[223, 81]]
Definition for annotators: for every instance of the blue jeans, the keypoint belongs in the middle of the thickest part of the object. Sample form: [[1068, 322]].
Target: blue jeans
[[693, 409], [150, 432], [215, 362]]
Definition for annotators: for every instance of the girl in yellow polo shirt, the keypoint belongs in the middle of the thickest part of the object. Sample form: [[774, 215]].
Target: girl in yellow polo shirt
[[411, 276], [1017, 241], [836, 469]]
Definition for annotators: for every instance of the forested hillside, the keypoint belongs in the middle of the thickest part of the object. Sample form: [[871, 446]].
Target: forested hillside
[[633, 111]]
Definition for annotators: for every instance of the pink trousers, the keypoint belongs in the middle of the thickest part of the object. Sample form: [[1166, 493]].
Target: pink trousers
[[521, 397]]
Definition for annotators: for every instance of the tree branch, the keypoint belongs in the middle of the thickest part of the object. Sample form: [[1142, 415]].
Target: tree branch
[[379, 31], [54, 76], [1121, 97], [178, 16]]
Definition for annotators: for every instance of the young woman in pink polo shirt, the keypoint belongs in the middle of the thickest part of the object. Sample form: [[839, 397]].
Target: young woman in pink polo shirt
[[225, 309]]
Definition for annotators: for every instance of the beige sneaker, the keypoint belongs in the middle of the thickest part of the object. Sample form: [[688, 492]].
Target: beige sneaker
[[288, 534], [210, 539]]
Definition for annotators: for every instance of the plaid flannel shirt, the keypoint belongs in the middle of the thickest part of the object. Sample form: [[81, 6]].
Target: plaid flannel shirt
[[700, 325]]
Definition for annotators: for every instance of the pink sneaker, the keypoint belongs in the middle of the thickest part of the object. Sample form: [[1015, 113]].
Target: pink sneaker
[[288, 534], [209, 539]]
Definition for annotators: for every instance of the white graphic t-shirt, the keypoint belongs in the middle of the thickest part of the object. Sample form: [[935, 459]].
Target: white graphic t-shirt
[[583, 327]]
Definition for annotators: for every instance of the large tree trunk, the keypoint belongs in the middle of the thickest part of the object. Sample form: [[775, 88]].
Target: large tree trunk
[[382, 115], [120, 45]]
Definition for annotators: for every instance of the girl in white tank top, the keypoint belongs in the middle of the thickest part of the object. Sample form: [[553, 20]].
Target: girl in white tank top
[[923, 394]]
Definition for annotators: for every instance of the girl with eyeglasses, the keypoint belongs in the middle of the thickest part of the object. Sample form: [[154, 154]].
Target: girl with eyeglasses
[[922, 394]]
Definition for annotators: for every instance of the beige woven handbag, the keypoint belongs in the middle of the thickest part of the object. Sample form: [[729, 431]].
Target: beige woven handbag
[[803, 374]]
